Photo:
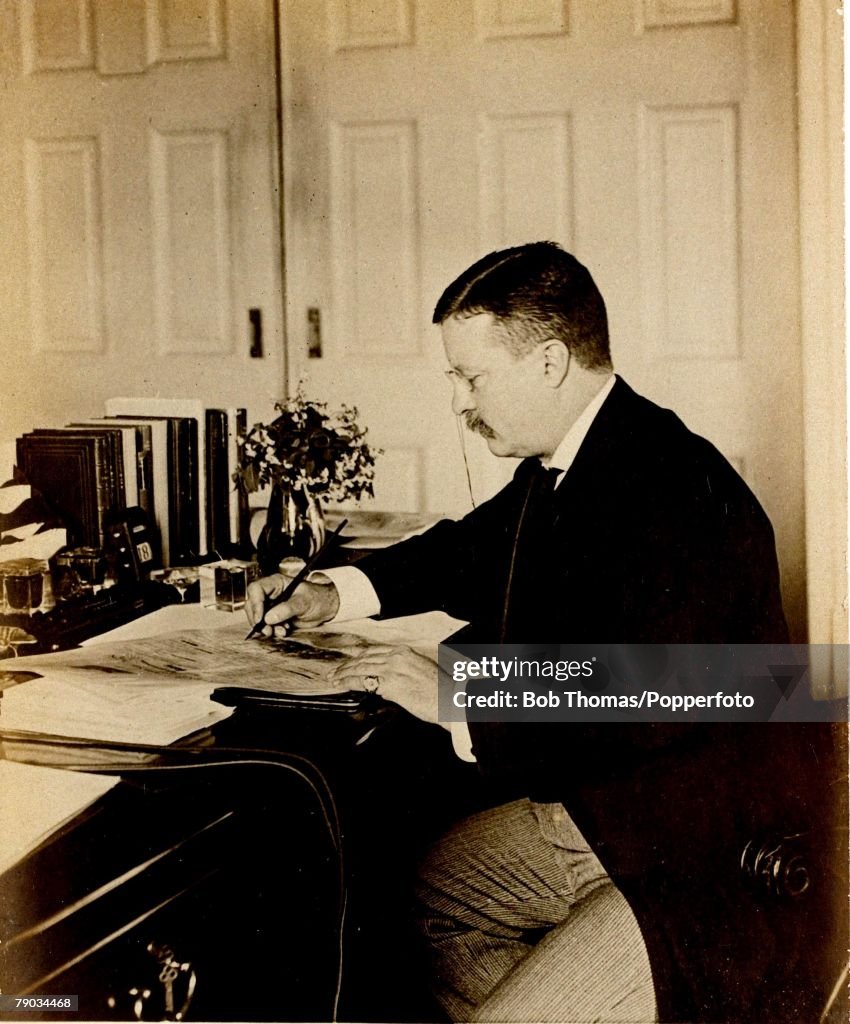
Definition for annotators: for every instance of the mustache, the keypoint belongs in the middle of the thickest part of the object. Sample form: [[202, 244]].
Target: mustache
[[476, 425]]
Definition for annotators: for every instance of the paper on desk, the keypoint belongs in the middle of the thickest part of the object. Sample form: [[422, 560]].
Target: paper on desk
[[205, 658], [35, 801], [156, 689], [222, 657], [77, 702]]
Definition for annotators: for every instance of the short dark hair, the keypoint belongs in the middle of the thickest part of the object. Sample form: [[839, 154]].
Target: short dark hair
[[536, 291]]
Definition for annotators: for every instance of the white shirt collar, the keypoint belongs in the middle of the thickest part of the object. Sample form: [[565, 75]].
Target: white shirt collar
[[565, 453]]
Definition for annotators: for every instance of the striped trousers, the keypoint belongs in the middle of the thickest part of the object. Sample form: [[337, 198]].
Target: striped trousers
[[523, 924]]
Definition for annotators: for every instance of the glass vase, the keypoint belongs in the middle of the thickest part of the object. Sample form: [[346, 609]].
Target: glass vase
[[294, 527]]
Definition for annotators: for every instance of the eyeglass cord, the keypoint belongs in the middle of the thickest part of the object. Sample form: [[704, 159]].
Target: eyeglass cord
[[462, 440]]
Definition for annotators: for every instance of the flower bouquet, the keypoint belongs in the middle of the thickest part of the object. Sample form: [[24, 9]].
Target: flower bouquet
[[309, 456]]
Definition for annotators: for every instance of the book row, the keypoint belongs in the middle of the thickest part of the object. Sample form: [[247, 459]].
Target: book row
[[173, 458]]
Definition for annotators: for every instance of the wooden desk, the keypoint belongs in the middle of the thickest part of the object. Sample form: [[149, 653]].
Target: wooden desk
[[188, 864], [224, 850]]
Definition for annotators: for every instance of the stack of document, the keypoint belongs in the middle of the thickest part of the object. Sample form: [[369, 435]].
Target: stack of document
[[76, 702], [154, 690]]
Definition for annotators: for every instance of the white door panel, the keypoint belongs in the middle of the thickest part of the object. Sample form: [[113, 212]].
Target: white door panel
[[138, 204]]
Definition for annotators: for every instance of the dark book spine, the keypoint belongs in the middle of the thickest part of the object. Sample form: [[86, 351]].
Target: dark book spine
[[105, 477], [144, 471], [175, 505], [108, 476], [218, 510], [120, 470], [189, 455], [183, 490], [239, 494]]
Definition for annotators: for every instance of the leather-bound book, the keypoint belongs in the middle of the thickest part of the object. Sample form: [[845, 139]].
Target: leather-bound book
[[71, 471]]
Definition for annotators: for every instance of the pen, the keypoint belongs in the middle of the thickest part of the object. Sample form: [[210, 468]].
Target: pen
[[299, 578]]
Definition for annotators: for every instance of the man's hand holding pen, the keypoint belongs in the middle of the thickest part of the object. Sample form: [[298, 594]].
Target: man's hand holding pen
[[313, 602], [292, 598], [394, 671]]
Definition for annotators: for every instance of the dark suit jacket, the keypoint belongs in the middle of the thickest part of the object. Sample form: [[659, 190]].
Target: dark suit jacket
[[657, 540]]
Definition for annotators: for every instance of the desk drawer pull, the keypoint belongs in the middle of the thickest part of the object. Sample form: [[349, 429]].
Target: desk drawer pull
[[177, 979]]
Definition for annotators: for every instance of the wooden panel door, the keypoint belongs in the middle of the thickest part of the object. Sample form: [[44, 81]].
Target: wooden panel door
[[653, 138], [138, 204]]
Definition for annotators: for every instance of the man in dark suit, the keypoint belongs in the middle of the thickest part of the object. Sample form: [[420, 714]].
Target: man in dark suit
[[620, 526]]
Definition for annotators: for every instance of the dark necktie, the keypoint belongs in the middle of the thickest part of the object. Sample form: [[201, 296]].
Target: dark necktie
[[526, 607]]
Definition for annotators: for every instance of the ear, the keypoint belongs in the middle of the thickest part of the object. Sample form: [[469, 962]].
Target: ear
[[556, 362]]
